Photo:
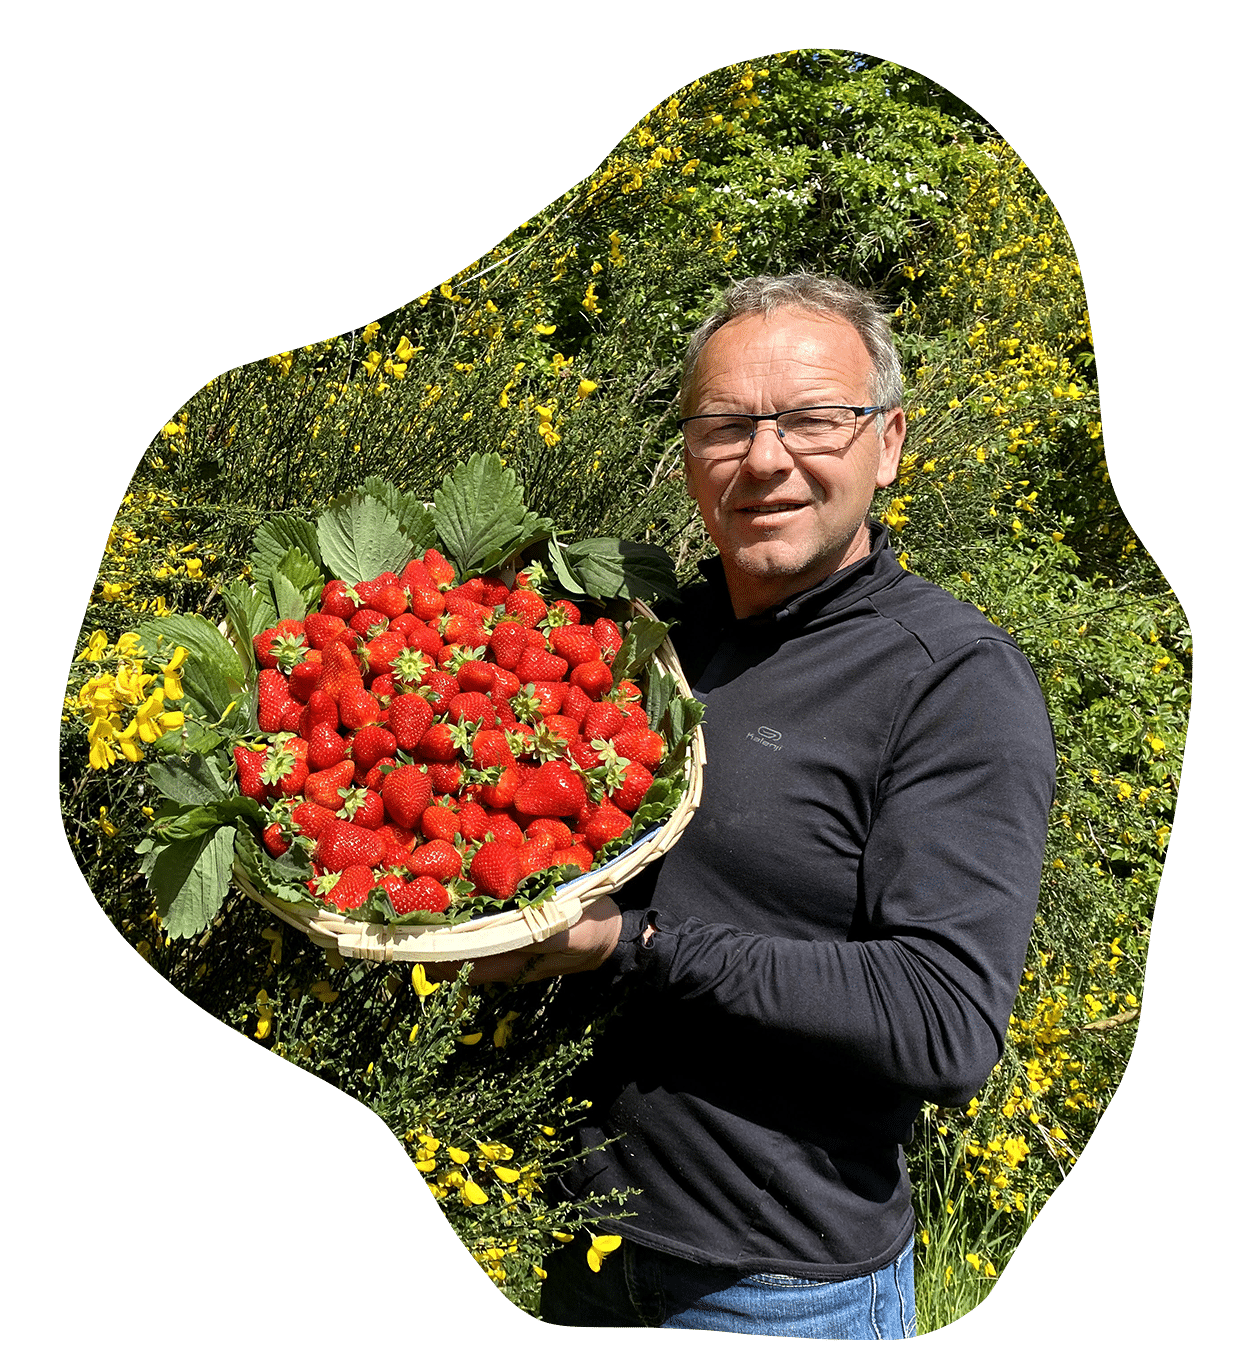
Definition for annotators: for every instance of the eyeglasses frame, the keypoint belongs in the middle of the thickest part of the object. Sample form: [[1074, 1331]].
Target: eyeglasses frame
[[755, 418]]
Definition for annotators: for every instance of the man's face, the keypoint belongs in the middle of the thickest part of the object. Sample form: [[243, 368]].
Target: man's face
[[784, 522]]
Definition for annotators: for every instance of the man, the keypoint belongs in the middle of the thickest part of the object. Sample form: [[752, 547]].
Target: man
[[840, 933]]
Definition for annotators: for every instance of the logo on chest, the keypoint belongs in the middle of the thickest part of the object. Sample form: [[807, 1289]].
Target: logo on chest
[[766, 736]]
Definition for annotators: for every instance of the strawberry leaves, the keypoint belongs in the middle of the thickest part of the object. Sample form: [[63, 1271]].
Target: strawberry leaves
[[614, 568], [481, 518], [359, 538], [189, 878]]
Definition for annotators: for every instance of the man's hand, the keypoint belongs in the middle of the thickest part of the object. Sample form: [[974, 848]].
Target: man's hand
[[584, 946]]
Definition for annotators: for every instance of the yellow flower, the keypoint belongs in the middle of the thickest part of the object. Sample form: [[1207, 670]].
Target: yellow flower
[[586, 388], [265, 1009], [472, 1194], [96, 646], [599, 1248], [544, 329], [420, 982], [502, 1032], [324, 992], [108, 828]]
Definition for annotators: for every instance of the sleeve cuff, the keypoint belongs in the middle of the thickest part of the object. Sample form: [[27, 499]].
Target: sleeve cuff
[[632, 955]]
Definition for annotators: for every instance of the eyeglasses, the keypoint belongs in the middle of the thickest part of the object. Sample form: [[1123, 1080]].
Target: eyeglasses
[[803, 431]]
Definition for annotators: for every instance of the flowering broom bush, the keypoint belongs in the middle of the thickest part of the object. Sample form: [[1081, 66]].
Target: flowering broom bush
[[560, 351]]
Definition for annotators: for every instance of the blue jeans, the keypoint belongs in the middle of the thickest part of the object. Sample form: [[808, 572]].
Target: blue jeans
[[638, 1287]]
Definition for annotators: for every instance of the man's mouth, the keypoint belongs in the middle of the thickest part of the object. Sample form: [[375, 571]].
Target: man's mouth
[[770, 508]]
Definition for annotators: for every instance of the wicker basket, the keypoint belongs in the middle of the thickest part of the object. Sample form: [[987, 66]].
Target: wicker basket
[[511, 929]]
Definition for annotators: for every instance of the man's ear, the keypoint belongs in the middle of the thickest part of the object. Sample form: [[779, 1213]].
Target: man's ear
[[894, 429]]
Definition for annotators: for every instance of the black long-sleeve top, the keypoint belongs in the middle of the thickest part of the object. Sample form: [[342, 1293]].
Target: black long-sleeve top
[[841, 928]]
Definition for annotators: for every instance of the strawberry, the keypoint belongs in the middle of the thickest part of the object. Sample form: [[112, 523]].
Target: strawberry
[[342, 845], [382, 651], [249, 766], [536, 854], [372, 778], [535, 664], [608, 637], [397, 843], [602, 722], [321, 710], [341, 670], [496, 592], [286, 767], [461, 604], [427, 603], [473, 707], [458, 630], [369, 589], [561, 612], [585, 754], [489, 747], [352, 888], [550, 828], [576, 855], [304, 679], [473, 820], [439, 568], [506, 685], [359, 708], [391, 600], [339, 600], [475, 677], [273, 839], [383, 687], [309, 818], [424, 894], [447, 779], [526, 606], [565, 728], [635, 782], [593, 677], [393, 885], [626, 695], [576, 703], [575, 642], [407, 792], [556, 789], [505, 829], [322, 628], [326, 786], [439, 689], [272, 696], [409, 716], [415, 576], [371, 745], [550, 695], [363, 807], [642, 745], [325, 747], [439, 821], [438, 859], [472, 589], [496, 870], [368, 622]]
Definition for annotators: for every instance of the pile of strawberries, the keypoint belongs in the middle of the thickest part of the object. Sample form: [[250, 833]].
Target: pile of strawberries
[[442, 741]]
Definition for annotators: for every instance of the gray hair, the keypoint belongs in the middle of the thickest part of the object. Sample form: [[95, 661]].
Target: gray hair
[[816, 295]]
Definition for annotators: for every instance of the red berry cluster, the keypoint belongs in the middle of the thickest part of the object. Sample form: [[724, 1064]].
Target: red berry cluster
[[442, 740]]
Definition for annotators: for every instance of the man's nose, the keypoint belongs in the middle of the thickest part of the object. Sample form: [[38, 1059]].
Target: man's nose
[[766, 455]]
